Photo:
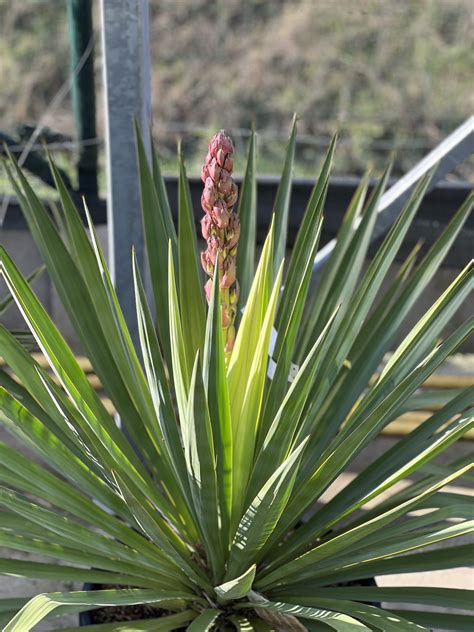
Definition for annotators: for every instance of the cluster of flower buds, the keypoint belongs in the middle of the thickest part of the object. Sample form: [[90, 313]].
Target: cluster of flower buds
[[221, 228]]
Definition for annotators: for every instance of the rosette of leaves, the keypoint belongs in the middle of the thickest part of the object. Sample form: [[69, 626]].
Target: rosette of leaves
[[206, 505]]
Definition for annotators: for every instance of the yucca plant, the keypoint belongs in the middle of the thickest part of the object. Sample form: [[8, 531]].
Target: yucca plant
[[6, 302], [204, 503]]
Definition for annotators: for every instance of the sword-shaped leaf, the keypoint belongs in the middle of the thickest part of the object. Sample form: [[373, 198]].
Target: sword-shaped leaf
[[449, 597], [181, 369], [161, 624], [336, 545], [346, 616], [204, 621], [191, 295], [217, 392], [247, 213], [239, 587], [39, 607], [262, 515], [295, 291], [157, 227], [282, 201], [328, 274], [336, 457], [201, 464], [443, 620], [438, 559], [8, 300], [158, 384], [406, 456], [246, 424], [86, 301], [334, 619]]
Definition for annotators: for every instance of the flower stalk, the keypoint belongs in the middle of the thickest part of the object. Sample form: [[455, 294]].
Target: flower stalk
[[221, 229]]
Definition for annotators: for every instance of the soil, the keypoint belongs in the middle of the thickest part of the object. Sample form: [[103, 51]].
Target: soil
[[126, 613], [358, 583], [113, 614]]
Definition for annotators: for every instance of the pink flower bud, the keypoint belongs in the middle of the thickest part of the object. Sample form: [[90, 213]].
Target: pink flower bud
[[220, 214], [206, 226], [208, 290], [204, 173], [231, 198], [221, 157], [209, 193], [204, 260], [221, 142], [213, 246], [228, 164], [214, 170], [233, 232], [207, 263], [230, 271], [207, 208], [225, 183]]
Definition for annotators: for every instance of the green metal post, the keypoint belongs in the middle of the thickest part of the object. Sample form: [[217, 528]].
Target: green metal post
[[83, 92]]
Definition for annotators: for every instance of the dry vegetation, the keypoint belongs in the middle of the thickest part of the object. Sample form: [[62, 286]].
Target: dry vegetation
[[386, 74]]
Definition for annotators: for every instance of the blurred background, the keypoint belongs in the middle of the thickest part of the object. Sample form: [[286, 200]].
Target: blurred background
[[393, 78], [389, 76]]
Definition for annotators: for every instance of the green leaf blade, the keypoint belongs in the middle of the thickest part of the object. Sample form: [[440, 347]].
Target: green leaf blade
[[247, 212], [191, 292], [237, 588], [282, 201]]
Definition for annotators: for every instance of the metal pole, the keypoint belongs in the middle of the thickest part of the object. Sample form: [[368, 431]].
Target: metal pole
[[81, 36], [452, 151], [125, 40]]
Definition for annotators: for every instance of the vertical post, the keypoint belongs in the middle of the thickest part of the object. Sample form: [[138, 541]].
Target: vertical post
[[83, 91], [125, 40]]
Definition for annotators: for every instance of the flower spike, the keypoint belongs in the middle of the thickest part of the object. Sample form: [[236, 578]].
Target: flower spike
[[221, 228]]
